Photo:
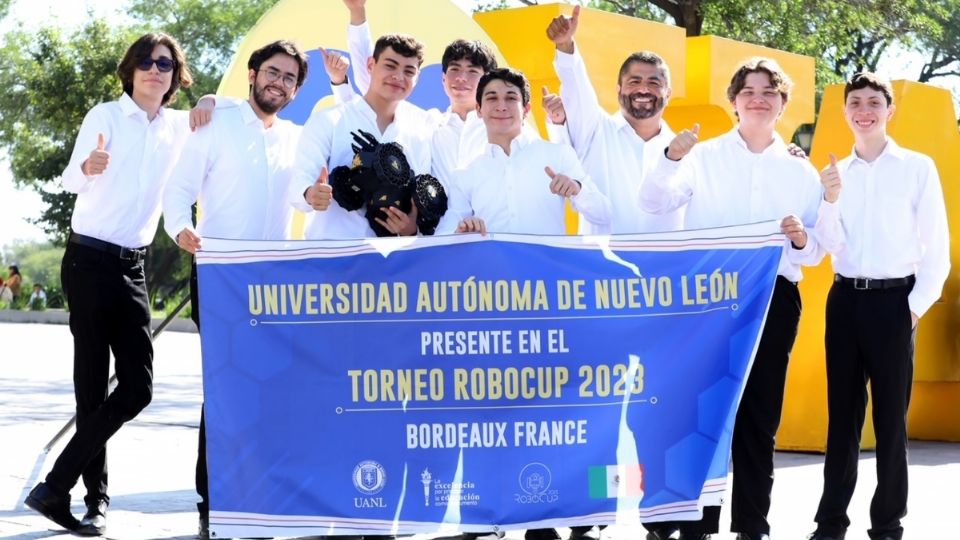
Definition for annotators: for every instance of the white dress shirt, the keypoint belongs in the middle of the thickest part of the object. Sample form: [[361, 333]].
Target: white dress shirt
[[511, 193], [326, 141], [612, 153], [890, 222], [723, 183], [241, 172], [122, 205]]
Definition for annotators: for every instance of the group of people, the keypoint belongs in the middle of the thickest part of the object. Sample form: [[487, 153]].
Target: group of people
[[879, 211]]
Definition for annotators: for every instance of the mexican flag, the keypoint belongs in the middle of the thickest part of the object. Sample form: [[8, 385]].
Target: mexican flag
[[614, 481]]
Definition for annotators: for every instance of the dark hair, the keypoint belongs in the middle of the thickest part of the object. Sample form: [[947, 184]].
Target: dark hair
[[778, 78], [867, 79], [14, 269], [143, 48], [402, 44], [509, 76], [281, 46], [475, 52], [645, 57]]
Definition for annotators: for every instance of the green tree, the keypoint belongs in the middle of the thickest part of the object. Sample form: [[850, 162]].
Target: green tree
[[39, 263]]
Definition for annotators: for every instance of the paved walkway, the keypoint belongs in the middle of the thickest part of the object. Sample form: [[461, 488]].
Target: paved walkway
[[152, 457]]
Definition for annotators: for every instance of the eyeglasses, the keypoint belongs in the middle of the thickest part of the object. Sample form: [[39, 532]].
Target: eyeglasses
[[272, 75], [163, 63]]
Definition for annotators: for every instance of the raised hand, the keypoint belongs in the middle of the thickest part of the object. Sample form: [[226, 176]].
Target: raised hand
[[319, 195], [553, 106], [681, 145], [399, 223], [98, 160], [336, 66], [830, 178], [561, 184], [562, 29]]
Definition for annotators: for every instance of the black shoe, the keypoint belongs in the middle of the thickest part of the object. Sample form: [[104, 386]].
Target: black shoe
[[94, 522], [541, 534], [745, 536], [664, 535], [491, 535], [695, 536], [203, 531], [584, 532], [53, 506]]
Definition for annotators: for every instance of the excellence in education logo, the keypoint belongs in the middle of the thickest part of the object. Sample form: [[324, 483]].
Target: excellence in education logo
[[369, 477]]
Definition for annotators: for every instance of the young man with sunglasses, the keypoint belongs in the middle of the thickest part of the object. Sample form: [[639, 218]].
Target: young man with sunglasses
[[328, 139], [744, 176], [123, 156], [890, 242], [458, 135], [240, 166]]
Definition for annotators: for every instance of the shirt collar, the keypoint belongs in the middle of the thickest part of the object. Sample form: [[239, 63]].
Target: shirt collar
[[621, 123], [129, 107], [247, 114], [518, 143], [891, 149], [733, 137]]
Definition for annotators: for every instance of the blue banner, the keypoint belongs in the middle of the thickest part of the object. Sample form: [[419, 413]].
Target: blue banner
[[391, 386]]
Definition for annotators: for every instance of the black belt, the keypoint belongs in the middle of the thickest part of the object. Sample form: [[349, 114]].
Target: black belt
[[124, 253], [863, 284]]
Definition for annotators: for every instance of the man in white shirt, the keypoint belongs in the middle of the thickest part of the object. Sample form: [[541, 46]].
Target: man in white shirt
[[240, 166], [457, 134], [520, 183], [327, 142], [122, 158], [745, 176], [891, 253], [617, 150]]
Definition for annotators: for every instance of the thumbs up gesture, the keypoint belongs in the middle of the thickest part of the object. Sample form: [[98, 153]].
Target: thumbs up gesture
[[561, 184], [98, 160], [830, 178], [681, 145], [562, 29], [553, 106], [319, 195]]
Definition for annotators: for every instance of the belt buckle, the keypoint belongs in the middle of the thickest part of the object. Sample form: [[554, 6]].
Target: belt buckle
[[861, 284], [133, 255]]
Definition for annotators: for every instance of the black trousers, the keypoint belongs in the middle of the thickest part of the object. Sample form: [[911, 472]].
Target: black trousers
[[869, 337], [201, 480], [755, 429], [108, 312]]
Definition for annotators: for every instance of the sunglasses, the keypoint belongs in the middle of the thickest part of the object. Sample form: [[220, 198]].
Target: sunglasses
[[163, 63]]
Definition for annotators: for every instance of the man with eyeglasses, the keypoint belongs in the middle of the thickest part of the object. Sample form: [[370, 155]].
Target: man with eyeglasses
[[240, 166], [329, 135], [745, 176], [123, 156]]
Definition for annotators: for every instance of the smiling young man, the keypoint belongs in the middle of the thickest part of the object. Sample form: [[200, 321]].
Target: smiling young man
[[240, 166], [891, 253], [122, 158], [618, 150], [326, 143], [745, 176], [458, 135], [520, 182]]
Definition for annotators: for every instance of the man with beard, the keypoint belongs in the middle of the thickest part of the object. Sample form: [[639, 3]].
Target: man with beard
[[240, 166], [747, 175], [617, 150]]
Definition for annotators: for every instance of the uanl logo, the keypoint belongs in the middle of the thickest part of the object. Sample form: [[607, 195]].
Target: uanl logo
[[369, 477], [535, 479]]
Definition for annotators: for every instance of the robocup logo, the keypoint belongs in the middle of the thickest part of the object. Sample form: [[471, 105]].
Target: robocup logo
[[369, 477], [535, 479]]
